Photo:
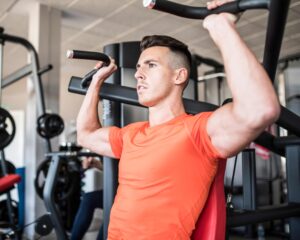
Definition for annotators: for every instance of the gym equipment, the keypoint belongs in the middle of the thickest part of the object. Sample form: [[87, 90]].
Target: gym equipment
[[7, 181], [49, 125], [77, 54], [6, 123], [33, 69], [66, 178], [212, 221], [67, 189], [201, 12], [10, 168], [57, 159], [4, 213], [217, 73], [43, 227]]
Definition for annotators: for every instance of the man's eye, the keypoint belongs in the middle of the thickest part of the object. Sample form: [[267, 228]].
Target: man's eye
[[151, 65]]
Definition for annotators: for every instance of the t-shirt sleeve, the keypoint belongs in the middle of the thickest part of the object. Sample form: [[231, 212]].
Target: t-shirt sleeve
[[197, 127], [116, 141]]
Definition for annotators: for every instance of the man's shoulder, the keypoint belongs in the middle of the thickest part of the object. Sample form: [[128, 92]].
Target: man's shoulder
[[199, 116], [135, 125]]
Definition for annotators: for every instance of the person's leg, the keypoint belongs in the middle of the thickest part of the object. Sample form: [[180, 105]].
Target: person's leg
[[85, 213]]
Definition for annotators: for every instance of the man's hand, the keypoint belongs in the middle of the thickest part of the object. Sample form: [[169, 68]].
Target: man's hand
[[210, 20], [91, 162], [104, 71], [217, 24]]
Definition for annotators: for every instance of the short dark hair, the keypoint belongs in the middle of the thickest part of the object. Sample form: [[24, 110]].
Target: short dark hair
[[173, 44]]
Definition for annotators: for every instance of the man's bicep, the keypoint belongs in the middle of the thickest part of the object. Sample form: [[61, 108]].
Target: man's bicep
[[229, 134], [99, 142]]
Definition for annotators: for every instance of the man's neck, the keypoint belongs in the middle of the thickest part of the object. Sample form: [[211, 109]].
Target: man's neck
[[161, 114]]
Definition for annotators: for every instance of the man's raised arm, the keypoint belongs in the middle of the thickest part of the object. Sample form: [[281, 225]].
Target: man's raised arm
[[255, 105], [90, 133]]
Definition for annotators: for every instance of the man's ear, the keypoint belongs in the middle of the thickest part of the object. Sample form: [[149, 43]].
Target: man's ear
[[181, 76]]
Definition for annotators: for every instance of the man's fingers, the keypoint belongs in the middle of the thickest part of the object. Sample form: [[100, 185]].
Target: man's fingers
[[98, 65], [217, 3]]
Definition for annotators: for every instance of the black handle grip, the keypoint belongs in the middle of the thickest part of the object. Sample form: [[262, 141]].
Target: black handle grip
[[202, 12], [78, 54], [86, 80]]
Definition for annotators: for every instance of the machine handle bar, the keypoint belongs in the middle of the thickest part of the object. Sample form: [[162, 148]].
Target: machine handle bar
[[202, 12]]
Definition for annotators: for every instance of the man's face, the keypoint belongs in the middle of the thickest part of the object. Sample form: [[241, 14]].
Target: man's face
[[154, 76]]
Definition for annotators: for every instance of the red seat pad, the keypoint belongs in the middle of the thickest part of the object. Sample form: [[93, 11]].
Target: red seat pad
[[8, 181], [211, 224]]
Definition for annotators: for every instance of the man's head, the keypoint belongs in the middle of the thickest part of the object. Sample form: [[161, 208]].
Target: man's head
[[162, 70], [181, 56]]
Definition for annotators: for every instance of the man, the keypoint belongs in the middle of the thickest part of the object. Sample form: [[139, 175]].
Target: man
[[168, 163]]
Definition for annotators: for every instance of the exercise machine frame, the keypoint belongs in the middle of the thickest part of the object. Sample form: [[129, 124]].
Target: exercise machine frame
[[276, 23]]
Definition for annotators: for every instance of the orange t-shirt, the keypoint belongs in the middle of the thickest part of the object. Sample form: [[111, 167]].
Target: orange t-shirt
[[165, 173]]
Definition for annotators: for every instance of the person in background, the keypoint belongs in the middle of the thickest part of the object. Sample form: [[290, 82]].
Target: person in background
[[89, 203]]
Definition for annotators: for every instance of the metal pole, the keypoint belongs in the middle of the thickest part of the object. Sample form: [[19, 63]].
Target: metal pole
[[293, 182], [111, 117], [49, 200], [1, 64], [275, 29]]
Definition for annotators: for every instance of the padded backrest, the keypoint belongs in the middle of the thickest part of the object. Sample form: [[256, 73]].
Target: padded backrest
[[8, 181], [211, 224]]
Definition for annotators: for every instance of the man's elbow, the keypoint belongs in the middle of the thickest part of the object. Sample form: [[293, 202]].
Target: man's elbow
[[272, 112], [267, 115], [81, 138]]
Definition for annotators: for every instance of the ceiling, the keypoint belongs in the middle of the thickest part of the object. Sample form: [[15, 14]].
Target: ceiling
[[91, 24]]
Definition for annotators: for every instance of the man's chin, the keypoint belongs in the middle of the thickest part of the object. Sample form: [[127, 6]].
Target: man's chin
[[145, 103]]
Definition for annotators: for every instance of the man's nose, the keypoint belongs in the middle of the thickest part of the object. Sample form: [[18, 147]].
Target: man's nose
[[139, 75]]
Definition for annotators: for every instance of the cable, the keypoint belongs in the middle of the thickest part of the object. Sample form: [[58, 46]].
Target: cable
[[229, 195], [233, 174], [12, 231]]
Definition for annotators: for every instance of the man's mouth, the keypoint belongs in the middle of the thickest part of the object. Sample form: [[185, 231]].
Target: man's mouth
[[140, 88]]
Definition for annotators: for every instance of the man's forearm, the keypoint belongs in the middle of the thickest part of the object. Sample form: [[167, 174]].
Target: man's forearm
[[88, 119], [250, 85]]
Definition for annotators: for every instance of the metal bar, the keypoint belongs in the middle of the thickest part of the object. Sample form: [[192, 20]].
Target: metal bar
[[210, 76], [35, 74], [45, 69], [293, 182], [112, 117], [49, 200], [202, 12], [128, 95], [21, 73], [267, 140], [249, 179], [289, 120], [1, 66], [290, 58], [208, 61], [275, 29], [15, 76], [263, 214], [282, 142]]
